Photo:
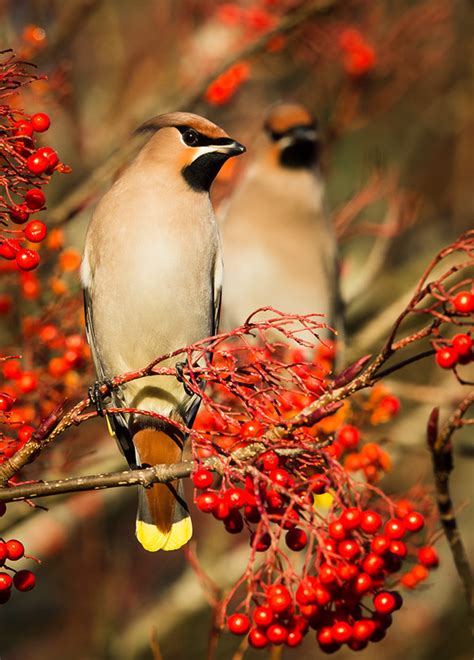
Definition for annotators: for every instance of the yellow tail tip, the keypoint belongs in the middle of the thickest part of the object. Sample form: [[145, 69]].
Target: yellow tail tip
[[152, 539]]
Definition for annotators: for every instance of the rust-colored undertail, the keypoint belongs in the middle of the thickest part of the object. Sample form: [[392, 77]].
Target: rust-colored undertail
[[163, 521]]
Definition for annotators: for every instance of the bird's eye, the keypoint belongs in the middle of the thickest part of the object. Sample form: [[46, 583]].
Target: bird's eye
[[191, 137]]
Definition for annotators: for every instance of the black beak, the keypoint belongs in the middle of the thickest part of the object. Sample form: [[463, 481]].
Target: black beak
[[232, 148], [303, 134]]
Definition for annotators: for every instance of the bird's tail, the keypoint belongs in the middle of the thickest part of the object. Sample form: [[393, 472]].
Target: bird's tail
[[163, 520]]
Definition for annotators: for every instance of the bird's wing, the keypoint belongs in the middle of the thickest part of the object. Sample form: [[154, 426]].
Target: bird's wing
[[217, 290], [116, 422]]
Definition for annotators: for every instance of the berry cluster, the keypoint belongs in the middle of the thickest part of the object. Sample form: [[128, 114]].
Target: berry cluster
[[359, 57], [27, 167], [23, 580], [459, 350], [354, 554]]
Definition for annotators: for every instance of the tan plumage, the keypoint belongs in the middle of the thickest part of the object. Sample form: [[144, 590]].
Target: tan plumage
[[152, 277], [278, 245]]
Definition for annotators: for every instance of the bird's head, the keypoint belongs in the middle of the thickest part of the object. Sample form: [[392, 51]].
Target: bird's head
[[192, 146], [293, 136]]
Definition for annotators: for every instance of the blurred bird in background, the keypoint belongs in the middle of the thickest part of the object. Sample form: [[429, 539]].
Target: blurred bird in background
[[278, 244], [152, 274]]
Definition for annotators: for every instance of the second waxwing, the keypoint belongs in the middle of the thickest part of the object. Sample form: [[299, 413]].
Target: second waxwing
[[151, 274], [278, 244]]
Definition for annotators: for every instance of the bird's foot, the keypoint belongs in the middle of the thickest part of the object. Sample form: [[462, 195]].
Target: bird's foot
[[96, 397], [180, 378]]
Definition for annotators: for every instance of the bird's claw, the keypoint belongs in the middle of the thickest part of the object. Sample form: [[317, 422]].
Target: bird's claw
[[96, 397], [180, 378]]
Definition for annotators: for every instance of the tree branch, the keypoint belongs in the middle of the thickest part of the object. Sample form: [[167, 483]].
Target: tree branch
[[442, 456]]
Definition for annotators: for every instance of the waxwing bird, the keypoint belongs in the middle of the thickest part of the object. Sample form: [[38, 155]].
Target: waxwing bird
[[278, 245], [151, 274]]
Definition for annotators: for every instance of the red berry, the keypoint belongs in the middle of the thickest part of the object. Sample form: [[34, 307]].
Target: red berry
[[24, 580], [25, 433], [351, 518], [27, 382], [428, 556], [8, 249], [409, 580], [318, 484], [380, 544], [341, 632], [337, 530], [270, 461], [403, 508], [262, 542], [295, 637], [348, 549], [40, 122], [262, 616], [35, 199], [385, 602], [446, 358], [324, 636], [11, 369], [370, 521], [391, 404], [234, 523], [323, 596], [464, 302], [398, 549], [327, 574], [202, 478], [19, 215], [306, 593], [347, 572], [239, 624], [363, 583], [37, 163], [373, 564], [277, 633], [348, 436], [252, 429], [363, 630], [280, 602], [252, 514], [279, 477], [394, 529], [420, 572], [207, 501], [257, 639], [3, 552], [5, 582], [23, 128], [27, 259], [221, 510], [296, 539], [35, 231], [6, 402], [50, 155], [414, 521], [235, 498], [462, 344], [15, 549]]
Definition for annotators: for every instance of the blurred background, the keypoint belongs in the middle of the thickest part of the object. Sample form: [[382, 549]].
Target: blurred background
[[398, 160]]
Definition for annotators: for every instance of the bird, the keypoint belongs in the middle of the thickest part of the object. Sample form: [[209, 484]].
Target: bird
[[152, 276], [279, 246]]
